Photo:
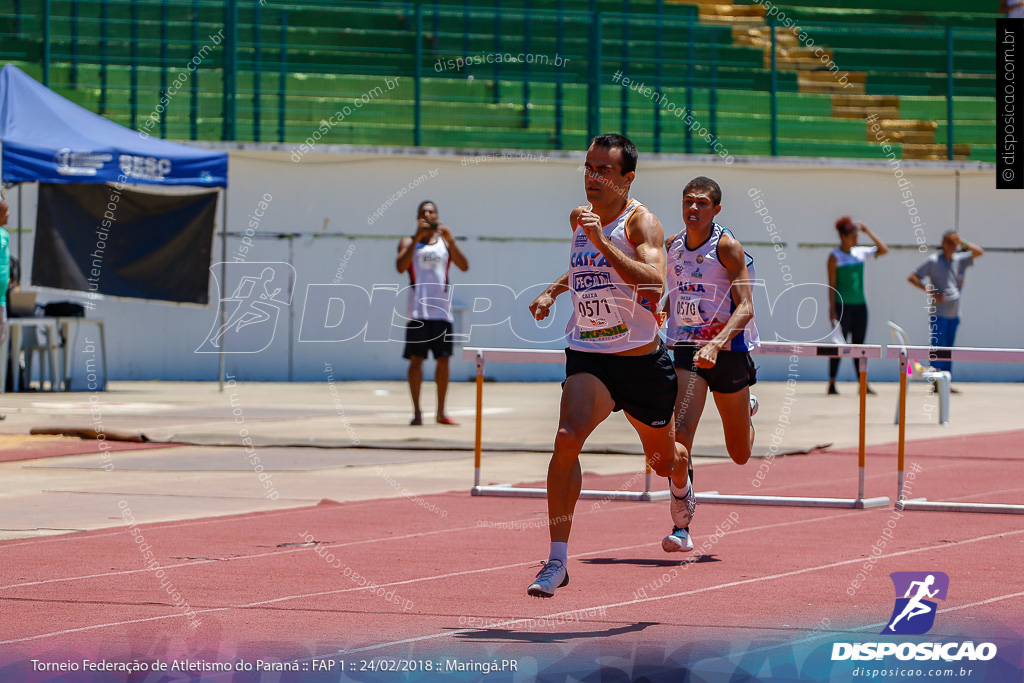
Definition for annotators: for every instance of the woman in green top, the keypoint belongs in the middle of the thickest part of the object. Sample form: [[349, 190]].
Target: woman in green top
[[5, 266], [848, 308]]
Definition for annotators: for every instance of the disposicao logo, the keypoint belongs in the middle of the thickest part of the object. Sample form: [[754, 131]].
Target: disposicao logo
[[914, 614]]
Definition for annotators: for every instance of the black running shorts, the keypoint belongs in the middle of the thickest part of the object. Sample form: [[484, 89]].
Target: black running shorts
[[428, 336], [642, 386], [732, 371]]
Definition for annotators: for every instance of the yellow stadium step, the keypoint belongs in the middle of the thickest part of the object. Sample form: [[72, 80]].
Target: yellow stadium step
[[761, 36], [849, 100], [872, 102], [731, 13], [810, 63], [856, 106], [802, 58], [908, 124], [908, 137], [825, 81], [862, 113], [935, 152]]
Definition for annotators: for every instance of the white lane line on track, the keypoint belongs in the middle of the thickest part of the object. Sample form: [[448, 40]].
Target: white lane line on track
[[396, 583], [339, 545], [366, 410], [745, 653], [306, 508], [986, 493], [230, 517], [232, 559], [730, 584], [520, 564], [155, 526], [366, 541], [852, 478]]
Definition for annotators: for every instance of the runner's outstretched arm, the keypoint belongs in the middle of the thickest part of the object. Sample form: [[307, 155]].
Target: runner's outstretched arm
[[543, 303]]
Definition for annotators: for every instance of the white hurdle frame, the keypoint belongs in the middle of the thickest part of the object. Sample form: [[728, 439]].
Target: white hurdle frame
[[550, 357], [861, 352], [903, 353]]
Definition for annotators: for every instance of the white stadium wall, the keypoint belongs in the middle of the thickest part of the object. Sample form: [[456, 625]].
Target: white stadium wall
[[513, 214]]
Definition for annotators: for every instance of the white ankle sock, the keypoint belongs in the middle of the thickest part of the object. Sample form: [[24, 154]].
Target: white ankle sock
[[559, 551], [676, 491]]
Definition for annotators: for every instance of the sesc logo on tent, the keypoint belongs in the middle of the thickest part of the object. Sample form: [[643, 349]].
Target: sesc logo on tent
[[914, 614], [144, 168]]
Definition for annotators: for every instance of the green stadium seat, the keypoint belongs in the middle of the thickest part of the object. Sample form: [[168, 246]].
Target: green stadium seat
[[340, 51]]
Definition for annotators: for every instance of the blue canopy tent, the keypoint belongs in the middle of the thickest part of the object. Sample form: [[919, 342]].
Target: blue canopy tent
[[47, 138]]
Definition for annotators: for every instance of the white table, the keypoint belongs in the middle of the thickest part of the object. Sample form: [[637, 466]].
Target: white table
[[65, 328]]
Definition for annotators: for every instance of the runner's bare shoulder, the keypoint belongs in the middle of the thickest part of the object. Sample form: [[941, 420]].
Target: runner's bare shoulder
[[643, 219], [731, 252], [728, 240]]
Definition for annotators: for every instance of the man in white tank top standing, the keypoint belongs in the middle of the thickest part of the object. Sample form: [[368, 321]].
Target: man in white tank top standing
[[711, 330], [616, 359], [427, 256]]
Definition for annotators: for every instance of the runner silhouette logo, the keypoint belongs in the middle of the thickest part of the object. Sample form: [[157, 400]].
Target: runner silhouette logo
[[255, 295], [916, 592]]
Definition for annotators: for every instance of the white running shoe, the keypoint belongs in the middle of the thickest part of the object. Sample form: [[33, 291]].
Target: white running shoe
[[683, 508], [677, 542], [753, 405], [551, 576]]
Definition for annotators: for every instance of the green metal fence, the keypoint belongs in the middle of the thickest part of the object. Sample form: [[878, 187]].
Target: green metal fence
[[528, 75]]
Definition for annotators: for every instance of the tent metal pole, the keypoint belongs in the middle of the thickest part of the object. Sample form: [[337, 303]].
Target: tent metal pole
[[21, 265], [47, 41], [291, 310], [223, 281]]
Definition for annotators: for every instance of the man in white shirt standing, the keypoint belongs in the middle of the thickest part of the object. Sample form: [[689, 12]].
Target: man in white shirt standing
[[427, 256]]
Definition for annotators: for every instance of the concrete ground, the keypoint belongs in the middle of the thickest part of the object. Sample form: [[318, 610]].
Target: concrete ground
[[352, 441]]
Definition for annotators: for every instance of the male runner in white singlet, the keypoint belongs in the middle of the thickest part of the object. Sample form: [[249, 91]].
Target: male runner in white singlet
[[711, 331], [427, 256], [615, 359]]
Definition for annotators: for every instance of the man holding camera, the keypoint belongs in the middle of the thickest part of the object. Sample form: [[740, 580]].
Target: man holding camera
[[427, 256]]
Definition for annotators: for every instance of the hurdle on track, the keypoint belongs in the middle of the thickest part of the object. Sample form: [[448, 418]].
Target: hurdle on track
[[861, 352], [903, 353]]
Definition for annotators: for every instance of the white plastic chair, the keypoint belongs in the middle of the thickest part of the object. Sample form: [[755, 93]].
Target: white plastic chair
[[37, 341], [929, 374]]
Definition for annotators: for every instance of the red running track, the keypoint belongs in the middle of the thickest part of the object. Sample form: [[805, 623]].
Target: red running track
[[458, 567], [48, 448]]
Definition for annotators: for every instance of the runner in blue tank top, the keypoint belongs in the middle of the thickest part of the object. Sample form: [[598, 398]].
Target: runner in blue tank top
[[616, 359]]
